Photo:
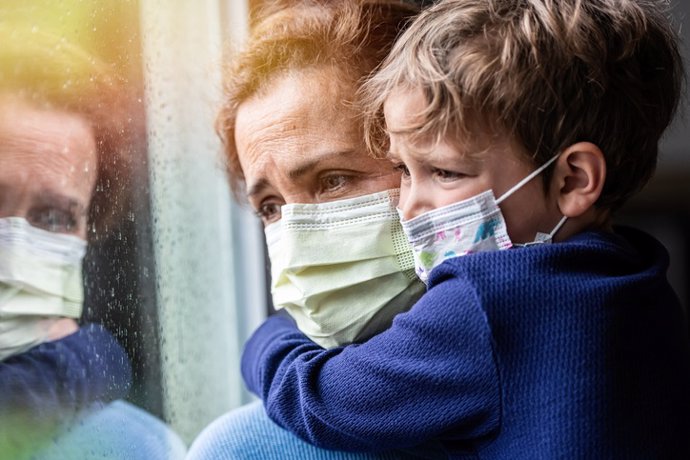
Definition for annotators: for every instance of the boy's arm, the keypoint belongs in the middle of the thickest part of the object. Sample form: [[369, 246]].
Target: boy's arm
[[431, 372], [64, 376]]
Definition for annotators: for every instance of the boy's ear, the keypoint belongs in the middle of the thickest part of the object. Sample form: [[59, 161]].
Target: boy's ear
[[578, 178]]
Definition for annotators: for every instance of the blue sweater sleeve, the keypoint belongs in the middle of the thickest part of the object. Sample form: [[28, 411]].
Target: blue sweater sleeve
[[57, 379], [431, 371]]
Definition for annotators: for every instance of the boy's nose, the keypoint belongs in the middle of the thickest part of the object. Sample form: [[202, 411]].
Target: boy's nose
[[413, 202]]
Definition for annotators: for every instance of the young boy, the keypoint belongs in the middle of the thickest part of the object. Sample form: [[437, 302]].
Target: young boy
[[545, 331]]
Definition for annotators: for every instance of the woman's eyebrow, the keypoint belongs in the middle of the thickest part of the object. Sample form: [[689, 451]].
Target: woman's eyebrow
[[309, 165], [302, 169], [257, 188]]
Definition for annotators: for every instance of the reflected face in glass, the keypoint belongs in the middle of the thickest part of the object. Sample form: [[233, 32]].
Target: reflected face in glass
[[299, 141], [47, 167]]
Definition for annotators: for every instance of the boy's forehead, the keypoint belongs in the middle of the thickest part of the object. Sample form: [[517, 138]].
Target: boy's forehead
[[404, 109], [405, 112]]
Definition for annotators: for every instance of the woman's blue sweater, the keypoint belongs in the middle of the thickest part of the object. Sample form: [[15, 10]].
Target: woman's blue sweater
[[577, 349]]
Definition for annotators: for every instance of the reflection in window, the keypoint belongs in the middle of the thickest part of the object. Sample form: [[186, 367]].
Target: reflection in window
[[72, 156], [169, 257]]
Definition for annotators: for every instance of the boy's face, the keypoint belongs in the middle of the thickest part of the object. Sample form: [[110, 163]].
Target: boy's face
[[439, 174]]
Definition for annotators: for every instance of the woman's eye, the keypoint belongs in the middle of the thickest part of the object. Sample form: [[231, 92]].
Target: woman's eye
[[447, 176], [54, 220], [333, 182], [269, 212]]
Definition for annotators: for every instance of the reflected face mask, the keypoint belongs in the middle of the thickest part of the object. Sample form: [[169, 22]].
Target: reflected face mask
[[40, 281], [468, 226], [342, 269]]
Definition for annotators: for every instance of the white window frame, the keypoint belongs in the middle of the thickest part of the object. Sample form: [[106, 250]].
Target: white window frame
[[208, 251]]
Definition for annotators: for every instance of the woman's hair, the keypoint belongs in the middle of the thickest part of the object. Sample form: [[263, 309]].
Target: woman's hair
[[48, 72], [349, 35], [547, 73]]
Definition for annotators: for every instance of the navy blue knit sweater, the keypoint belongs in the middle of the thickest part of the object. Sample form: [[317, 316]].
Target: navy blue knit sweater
[[572, 350]]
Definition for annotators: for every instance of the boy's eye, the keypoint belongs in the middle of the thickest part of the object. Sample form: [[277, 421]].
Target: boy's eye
[[269, 212], [403, 169], [447, 176]]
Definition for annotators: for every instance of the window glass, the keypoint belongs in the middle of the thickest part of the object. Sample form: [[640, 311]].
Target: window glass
[[108, 147], [79, 334], [209, 262]]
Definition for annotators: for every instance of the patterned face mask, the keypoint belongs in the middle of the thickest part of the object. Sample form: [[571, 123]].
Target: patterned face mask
[[342, 269], [472, 225]]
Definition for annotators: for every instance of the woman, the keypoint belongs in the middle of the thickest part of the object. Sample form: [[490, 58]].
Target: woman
[[293, 139]]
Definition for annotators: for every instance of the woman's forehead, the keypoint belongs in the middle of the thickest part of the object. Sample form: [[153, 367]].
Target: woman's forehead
[[299, 114], [314, 88]]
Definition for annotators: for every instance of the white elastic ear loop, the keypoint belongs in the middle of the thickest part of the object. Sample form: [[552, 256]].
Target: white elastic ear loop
[[542, 238], [531, 176], [558, 226]]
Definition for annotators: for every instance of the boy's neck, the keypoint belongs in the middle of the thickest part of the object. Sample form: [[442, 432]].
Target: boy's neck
[[592, 220]]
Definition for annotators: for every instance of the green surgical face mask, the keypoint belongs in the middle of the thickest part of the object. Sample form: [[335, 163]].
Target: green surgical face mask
[[40, 282], [342, 269]]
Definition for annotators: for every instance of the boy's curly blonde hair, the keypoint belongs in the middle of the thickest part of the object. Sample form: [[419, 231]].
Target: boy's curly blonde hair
[[549, 73]]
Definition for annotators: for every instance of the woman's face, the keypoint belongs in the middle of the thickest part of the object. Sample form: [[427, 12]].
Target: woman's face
[[299, 141], [47, 167]]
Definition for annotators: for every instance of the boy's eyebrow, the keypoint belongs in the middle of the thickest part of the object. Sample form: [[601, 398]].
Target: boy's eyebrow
[[398, 131], [402, 130], [392, 155]]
